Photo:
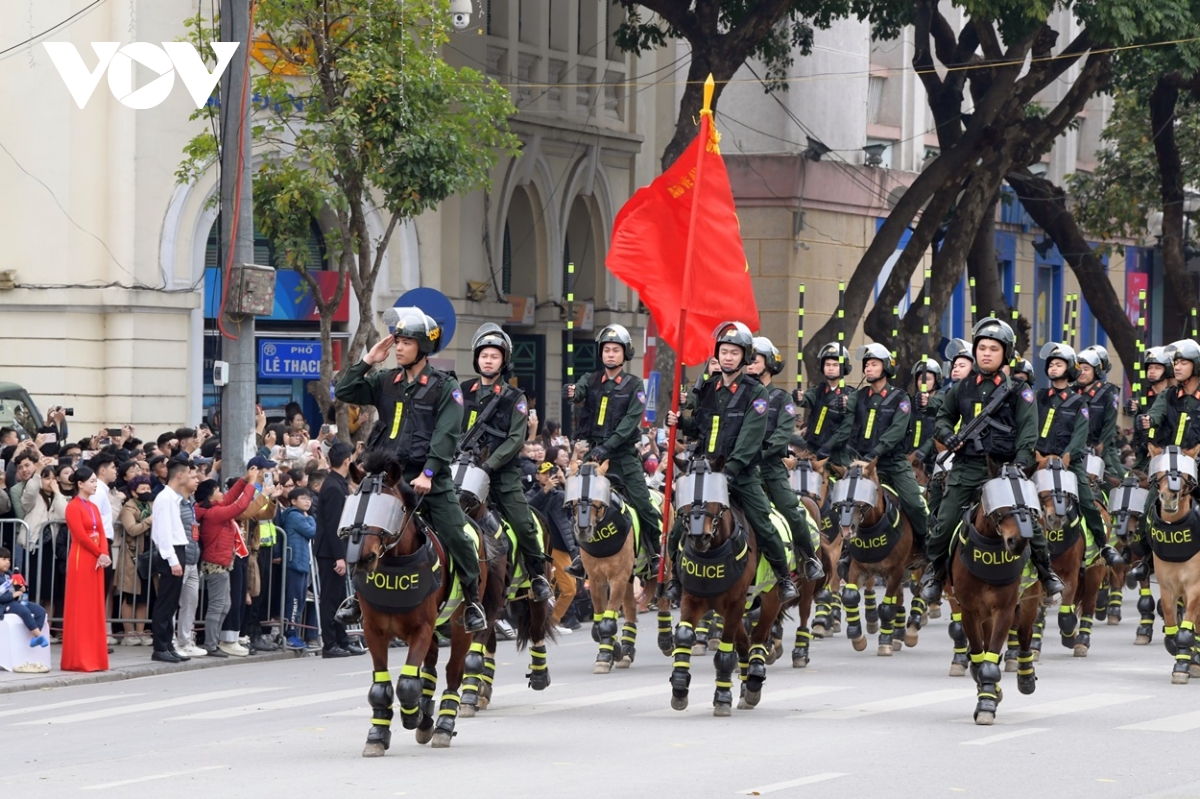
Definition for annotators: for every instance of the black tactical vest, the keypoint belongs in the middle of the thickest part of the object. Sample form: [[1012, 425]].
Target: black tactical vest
[[823, 419], [1179, 425], [867, 430], [1000, 444], [496, 427], [776, 399], [606, 405], [1099, 402], [921, 426], [719, 429], [1142, 437], [408, 421], [1055, 432]]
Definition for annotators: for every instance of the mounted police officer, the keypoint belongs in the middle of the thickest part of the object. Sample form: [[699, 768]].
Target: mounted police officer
[[1063, 427], [614, 402], [926, 375], [1103, 400], [503, 413], [1175, 420], [727, 417], [876, 427], [1022, 370], [826, 402], [960, 356], [959, 363], [1008, 438], [1160, 373], [781, 419], [421, 410]]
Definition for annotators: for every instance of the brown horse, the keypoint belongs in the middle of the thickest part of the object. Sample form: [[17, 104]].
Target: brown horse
[[1058, 494], [810, 479], [603, 526], [1126, 506], [1175, 541], [985, 573], [531, 619], [718, 565], [881, 545], [403, 583], [811, 484]]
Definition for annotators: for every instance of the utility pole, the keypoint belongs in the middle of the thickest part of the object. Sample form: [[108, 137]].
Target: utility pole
[[238, 398]]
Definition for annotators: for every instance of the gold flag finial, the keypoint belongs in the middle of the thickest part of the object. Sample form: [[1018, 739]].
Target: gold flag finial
[[709, 87]]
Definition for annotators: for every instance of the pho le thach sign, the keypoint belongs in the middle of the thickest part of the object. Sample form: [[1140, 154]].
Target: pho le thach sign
[[289, 359]]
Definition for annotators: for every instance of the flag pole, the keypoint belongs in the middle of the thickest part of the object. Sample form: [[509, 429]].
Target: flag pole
[[689, 251]]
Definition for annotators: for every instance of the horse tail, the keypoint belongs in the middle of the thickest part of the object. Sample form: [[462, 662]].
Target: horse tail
[[531, 624]]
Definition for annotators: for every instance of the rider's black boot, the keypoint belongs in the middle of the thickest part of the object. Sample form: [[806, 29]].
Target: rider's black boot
[[787, 589], [674, 589], [1050, 581], [933, 580], [348, 613], [539, 586], [473, 617], [1141, 570], [576, 568]]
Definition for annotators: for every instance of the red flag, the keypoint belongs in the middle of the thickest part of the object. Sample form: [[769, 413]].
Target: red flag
[[655, 230]]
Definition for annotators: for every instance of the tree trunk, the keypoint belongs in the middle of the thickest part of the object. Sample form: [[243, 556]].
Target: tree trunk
[[1180, 292], [1047, 205], [981, 265]]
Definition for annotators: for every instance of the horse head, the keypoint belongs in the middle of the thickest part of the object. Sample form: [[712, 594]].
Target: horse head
[[1173, 470], [588, 496], [1127, 504], [857, 499], [377, 521], [1057, 488], [472, 484], [809, 477], [918, 467], [1008, 506], [702, 499]]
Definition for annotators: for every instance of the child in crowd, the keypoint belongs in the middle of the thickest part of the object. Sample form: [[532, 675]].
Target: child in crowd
[[11, 590]]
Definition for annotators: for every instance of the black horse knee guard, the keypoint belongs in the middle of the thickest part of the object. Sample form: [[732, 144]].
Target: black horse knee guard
[[725, 661], [824, 596], [887, 613], [473, 664], [380, 696], [1185, 639], [1145, 605], [447, 712], [850, 595], [989, 672], [608, 627], [409, 690], [685, 635], [956, 631]]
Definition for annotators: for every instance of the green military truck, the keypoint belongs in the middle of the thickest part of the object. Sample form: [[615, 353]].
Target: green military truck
[[18, 411]]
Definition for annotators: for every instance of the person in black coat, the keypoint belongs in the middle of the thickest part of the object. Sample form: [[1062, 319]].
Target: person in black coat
[[331, 554]]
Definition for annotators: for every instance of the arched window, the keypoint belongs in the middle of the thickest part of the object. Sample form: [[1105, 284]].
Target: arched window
[[265, 253]]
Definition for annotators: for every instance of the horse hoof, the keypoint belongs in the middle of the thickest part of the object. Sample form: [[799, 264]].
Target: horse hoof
[[910, 637], [958, 670], [1080, 651], [985, 718], [1027, 684], [934, 612], [466, 711], [374, 749], [666, 645], [872, 627], [484, 701], [750, 700], [714, 644], [1179, 677], [602, 667], [699, 649], [885, 650], [776, 652], [1194, 670], [799, 663], [442, 739], [425, 736], [837, 627], [721, 711], [819, 631], [897, 644], [1037, 655], [1113, 621], [625, 662], [1011, 666], [679, 702], [1141, 640], [859, 643]]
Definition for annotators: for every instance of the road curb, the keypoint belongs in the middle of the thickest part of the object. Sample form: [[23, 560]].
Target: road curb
[[151, 668]]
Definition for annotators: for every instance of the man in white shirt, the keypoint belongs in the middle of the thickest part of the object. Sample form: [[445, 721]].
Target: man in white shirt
[[105, 467], [169, 539]]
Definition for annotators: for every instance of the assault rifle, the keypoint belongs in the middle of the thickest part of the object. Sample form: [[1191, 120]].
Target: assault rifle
[[470, 440], [974, 428]]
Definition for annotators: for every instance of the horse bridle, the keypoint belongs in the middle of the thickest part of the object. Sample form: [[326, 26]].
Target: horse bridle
[[854, 475], [808, 476], [373, 485]]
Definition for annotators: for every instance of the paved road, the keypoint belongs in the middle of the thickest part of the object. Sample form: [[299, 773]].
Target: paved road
[[1110, 725]]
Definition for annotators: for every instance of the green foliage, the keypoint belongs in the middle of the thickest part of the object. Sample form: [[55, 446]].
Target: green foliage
[[1115, 200]]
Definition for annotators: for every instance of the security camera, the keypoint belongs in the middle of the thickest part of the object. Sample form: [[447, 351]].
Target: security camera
[[460, 13]]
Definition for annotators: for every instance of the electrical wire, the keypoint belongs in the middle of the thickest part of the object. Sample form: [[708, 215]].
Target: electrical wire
[[65, 23]]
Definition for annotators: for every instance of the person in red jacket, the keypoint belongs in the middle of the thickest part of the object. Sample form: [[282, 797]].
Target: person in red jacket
[[216, 513]]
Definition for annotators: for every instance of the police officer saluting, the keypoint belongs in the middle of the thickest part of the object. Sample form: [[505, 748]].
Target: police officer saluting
[[1009, 439], [826, 402], [781, 419], [503, 414], [613, 404], [727, 417], [1063, 425], [421, 410], [876, 427], [1103, 403]]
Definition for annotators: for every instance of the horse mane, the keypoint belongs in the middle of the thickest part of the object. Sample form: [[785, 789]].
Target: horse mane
[[860, 464], [384, 462]]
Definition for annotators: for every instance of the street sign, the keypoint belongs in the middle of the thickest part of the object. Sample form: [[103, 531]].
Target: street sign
[[289, 359], [435, 304], [652, 397]]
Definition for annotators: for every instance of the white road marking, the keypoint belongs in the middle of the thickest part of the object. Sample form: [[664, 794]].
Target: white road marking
[[1004, 736], [768, 698], [574, 703], [1181, 723], [278, 704], [1061, 707], [781, 786], [57, 705], [161, 704], [891, 705], [150, 778], [499, 690]]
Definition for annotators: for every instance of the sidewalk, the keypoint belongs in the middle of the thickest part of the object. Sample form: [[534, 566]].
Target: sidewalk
[[125, 663]]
